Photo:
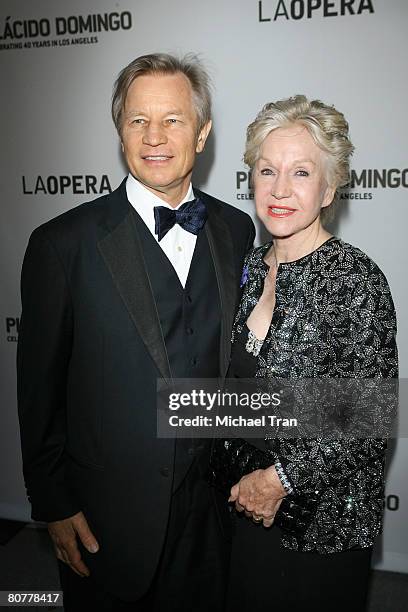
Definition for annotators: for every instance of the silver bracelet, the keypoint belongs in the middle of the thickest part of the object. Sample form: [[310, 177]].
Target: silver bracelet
[[253, 345], [283, 478]]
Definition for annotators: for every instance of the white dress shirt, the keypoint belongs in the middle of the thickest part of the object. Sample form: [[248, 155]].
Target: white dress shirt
[[178, 244]]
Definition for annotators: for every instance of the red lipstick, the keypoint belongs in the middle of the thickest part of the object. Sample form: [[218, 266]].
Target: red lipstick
[[280, 212]]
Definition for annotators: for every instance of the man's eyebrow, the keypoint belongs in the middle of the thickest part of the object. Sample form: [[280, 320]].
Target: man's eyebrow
[[136, 111], [175, 112], [133, 111]]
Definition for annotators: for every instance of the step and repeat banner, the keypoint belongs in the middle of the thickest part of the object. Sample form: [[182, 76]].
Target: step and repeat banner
[[58, 62]]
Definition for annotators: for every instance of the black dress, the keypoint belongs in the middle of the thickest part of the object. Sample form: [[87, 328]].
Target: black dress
[[264, 575]]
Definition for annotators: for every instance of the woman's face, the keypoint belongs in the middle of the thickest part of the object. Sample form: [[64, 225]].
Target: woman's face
[[290, 182]]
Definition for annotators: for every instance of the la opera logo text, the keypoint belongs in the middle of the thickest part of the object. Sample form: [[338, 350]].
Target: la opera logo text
[[306, 9], [76, 184]]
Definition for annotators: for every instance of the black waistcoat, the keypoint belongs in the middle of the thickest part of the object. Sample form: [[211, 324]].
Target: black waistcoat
[[190, 319]]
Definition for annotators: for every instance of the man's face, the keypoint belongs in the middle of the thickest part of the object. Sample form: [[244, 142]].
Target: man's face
[[159, 134]]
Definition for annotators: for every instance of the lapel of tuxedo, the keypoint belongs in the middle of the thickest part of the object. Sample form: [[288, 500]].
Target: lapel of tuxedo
[[122, 253], [222, 252]]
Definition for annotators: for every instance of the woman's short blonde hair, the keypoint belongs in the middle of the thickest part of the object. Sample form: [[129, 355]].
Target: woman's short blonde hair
[[327, 126]]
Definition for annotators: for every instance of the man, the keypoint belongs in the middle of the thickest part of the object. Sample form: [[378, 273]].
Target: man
[[117, 293]]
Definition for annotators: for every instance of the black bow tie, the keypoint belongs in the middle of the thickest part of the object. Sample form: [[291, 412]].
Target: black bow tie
[[191, 216]]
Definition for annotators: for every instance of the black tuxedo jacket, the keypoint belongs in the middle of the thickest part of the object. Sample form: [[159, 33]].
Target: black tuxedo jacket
[[90, 351]]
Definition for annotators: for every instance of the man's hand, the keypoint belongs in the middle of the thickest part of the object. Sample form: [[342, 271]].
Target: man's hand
[[64, 533], [259, 494]]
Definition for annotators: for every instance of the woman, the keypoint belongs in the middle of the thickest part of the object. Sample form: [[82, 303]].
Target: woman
[[312, 306]]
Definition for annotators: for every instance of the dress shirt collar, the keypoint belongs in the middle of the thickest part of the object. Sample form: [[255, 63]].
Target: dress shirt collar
[[143, 200]]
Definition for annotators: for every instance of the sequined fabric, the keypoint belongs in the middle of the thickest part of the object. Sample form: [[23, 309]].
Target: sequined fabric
[[334, 317]]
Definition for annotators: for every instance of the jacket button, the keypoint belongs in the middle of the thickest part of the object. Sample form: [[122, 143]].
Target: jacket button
[[189, 331], [164, 471], [191, 451], [189, 299]]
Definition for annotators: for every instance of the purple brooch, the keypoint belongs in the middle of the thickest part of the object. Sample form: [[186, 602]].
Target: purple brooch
[[244, 276]]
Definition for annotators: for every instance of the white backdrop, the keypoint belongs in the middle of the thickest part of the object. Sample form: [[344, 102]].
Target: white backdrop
[[58, 61]]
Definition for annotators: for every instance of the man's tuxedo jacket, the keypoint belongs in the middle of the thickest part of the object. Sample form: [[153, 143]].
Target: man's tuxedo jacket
[[90, 351]]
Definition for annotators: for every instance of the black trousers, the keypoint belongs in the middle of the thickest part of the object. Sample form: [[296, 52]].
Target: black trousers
[[265, 576], [193, 569]]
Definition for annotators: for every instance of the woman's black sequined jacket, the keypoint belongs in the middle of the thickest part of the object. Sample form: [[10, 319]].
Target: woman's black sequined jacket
[[334, 318]]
